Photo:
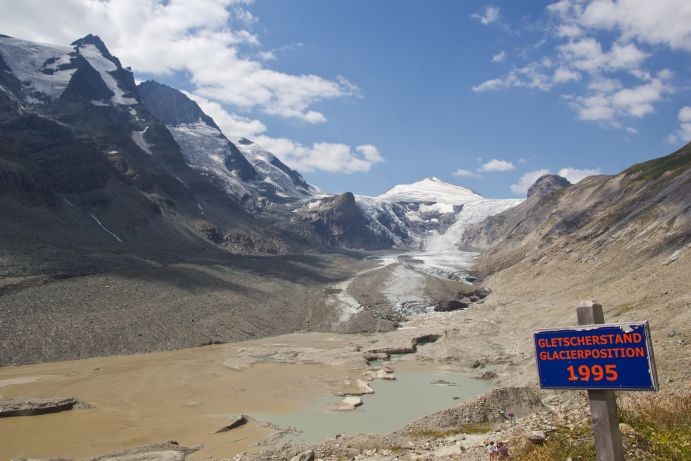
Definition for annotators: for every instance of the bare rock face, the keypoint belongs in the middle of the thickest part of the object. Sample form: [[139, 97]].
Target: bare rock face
[[547, 184], [34, 407], [339, 220]]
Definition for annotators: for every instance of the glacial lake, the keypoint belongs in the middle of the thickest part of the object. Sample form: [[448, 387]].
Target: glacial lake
[[393, 405]]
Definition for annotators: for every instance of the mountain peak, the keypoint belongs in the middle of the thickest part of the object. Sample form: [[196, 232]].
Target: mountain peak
[[431, 189], [96, 41]]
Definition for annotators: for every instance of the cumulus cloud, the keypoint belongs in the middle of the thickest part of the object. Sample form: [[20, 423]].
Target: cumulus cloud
[[527, 180], [574, 175], [323, 156], [488, 16], [461, 173], [204, 39], [657, 23], [497, 165], [683, 134], [604, 48], [609, 103]]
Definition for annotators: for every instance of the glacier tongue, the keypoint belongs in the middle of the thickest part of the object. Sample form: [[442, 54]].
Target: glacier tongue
[[441, 250]]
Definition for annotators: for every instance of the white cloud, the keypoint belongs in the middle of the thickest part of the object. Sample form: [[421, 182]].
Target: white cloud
[[574, 175], [606, 49], [202, 38], [683, 134], [610, 104], [461, 173], [534, 75], [499, 57], [488, 16], [527, 180], [587, 54], [268, 55], [562, 75], [323, 156], [497, 165], [655, 22], [232, 125]]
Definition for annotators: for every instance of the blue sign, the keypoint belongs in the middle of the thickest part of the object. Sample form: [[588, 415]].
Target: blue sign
[[611, 356]]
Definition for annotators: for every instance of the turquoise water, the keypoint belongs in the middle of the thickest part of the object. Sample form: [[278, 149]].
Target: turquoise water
[[393, 405]]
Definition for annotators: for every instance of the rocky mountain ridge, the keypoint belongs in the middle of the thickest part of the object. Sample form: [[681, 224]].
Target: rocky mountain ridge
[[646, 208]]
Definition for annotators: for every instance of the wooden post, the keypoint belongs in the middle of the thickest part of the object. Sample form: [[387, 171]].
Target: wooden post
[[603, 405]]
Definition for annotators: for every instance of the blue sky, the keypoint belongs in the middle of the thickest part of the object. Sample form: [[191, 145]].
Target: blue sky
[[363, 95]]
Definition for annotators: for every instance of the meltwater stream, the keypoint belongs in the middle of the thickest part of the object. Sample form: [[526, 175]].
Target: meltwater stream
[[393, 405]]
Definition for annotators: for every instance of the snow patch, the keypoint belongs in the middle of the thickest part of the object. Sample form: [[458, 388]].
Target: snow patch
[[138, 138]]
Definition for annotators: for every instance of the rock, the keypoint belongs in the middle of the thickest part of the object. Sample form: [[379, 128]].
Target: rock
[[476, 364], [443, 382], [235, 421], [304, 456], [450, 305], [363, 387], [383, 373], [349, 403], [674, 256], [488, 375], [379, 356], [34, 407], [537, 436]]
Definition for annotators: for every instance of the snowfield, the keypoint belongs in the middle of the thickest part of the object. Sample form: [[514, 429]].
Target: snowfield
[[36, 66]]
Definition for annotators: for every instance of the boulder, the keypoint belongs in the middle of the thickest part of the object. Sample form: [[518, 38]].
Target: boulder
[[349, 403], [488, 375], [34, 407], [451, 305], [234, 421], [537, 436], [384, 373]]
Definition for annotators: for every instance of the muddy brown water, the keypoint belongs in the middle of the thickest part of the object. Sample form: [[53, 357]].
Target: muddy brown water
[[149, 398], [185, 395]]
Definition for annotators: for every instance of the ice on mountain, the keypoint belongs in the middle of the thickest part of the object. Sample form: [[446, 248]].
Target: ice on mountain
[[138, 138], [37, 67], [432, 190], [205, 149], [262, 161], [104, 66]]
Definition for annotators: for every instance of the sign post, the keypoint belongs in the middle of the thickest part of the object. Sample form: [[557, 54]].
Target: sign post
[[603, 404], [599, 358]]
